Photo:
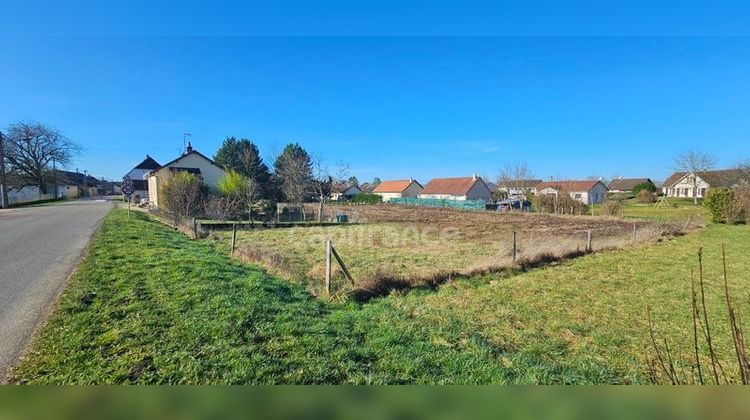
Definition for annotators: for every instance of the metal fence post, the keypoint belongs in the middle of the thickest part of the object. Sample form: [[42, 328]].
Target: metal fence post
[[588, 245], [514, 246]]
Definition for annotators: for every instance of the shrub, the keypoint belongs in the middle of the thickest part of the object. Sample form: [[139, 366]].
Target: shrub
[[183, 196], [620, 196], [724, 205], [612, 208], [645, 196], [562, 204], [646, 186], [222, 208], [743, 194], [367, 198]]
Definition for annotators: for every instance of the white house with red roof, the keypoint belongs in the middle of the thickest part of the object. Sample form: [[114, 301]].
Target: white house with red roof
[[459, 189], [406, 188], [587, 192]]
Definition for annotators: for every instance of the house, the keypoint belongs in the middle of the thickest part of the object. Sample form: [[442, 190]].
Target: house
[[688, 184], [460, 189], [191, 161], [75, 184], [587, 192], [344, 191], [406, 188], [519, 187], [627, 185], [139, 177], [367, 187]]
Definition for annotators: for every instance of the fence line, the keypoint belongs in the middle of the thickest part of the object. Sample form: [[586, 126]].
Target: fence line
[[440, 202]]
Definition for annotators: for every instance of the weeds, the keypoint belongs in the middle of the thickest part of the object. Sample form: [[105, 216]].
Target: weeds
[[662, 367]]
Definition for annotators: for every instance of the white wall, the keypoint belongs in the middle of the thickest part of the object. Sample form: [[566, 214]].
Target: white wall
[[479, 191], [210, 173], [685, 188], [412, 191]]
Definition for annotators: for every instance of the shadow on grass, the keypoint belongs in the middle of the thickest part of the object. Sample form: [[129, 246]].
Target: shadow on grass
[[384, 283]]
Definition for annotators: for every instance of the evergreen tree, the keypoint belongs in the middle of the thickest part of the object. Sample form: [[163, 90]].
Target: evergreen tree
[[243, 157]]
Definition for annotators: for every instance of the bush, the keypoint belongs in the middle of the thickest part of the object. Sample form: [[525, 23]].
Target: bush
[[620, 196], [222, 208], [646, 186], [367, 198], [724, 205], [645, 196], [743, 195], [562, 204], [183, 196], [612, 209]]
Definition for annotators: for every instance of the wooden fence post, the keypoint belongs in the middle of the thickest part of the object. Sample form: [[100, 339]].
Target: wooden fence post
[[514, 246], [341, 263], [635, 231], [328, 267], [195, 229], [588, 241], [234, 236]]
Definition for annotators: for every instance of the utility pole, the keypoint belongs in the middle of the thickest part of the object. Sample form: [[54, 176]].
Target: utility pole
[[3, 185], [54, 179]]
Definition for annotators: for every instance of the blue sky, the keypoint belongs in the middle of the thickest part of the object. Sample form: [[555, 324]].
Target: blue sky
[[391, 107]]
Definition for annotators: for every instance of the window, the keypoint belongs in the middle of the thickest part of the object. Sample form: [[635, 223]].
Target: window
[[702, 192], [577, 196]]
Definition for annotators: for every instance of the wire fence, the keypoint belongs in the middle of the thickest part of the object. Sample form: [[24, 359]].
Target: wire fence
[[440, 202]]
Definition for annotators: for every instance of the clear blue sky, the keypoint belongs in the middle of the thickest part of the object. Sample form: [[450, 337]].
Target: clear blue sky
[[391, 107]]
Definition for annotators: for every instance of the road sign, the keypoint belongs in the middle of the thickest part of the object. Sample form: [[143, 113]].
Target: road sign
[[128, 189]]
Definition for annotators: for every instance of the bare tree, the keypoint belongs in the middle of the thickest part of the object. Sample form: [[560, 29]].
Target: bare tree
[[33, 149], [322, 184], [693, 162], [514, 178], [293, 174]]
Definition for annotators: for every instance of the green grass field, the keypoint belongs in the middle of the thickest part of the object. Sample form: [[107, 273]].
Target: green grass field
[[680, 209], [150, 306]]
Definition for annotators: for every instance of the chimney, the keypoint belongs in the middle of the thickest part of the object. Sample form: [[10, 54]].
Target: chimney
[[189, 148], [474, 176]]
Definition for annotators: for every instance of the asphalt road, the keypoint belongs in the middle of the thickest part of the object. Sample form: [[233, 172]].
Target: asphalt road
[[39, 248]]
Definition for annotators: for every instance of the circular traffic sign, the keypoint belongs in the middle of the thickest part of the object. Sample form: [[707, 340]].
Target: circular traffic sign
[[128, 189]]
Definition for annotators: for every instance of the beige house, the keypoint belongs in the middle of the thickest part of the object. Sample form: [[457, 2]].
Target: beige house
[[407, 188], [191, 161], [587, 192], [688, 184], [344, 191], [459, 189]]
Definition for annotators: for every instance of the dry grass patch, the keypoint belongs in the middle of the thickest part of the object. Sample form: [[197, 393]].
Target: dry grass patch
[[403, 247]]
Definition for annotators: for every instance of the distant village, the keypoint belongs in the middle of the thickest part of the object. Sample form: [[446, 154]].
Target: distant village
[[147, 176]]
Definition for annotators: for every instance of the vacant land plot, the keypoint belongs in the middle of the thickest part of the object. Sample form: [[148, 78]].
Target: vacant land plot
[[150, 306], [414, 245]]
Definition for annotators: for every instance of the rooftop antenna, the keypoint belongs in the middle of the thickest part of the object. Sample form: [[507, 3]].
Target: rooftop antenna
[[185, 135]]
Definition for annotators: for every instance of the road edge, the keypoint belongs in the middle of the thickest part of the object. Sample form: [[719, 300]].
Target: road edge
[[52, 306]]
